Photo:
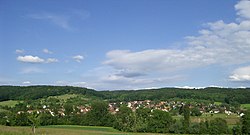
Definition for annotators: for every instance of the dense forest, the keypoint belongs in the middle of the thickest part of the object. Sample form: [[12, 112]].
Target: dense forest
[[36, 92], [227, 95]]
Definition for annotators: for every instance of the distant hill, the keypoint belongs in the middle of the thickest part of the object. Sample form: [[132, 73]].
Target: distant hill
[[36, 92], [227, 95]]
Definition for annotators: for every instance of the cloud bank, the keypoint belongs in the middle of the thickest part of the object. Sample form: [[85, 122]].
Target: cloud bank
[[218, 43], [241, 74]]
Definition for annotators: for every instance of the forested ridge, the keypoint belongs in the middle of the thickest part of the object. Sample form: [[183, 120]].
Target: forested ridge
[[240, 95], [36, 92], [210, 93]]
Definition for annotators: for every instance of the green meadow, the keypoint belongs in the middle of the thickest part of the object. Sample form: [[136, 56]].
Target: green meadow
[[246, 106], [231, 119], [66, 130], [9, 103]]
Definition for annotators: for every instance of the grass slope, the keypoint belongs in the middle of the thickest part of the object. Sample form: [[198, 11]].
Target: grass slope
[[231, 119], [246, 106], [9, 103], [65, 130], [64, 97]]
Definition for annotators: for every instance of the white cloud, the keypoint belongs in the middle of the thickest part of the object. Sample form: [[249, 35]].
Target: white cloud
[[47, 51], [27, 82], [243, 9], [35, 59], [19, 51], [241, 74], [51, 60], [106, 78], [78, 58], [67, 83], [218, 43], [189, 87], [30, 59], [137, 81]]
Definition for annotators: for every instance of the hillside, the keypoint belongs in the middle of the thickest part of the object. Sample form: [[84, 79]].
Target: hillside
[[210, 94], [227, 95], [36, 92]]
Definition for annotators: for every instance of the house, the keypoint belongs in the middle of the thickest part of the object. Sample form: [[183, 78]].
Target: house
[[228, 112]]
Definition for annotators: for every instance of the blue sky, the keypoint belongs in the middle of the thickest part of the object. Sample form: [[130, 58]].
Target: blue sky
[[118, 44]]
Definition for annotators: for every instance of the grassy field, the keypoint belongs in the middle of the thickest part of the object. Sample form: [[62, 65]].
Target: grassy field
[[217, 103], [65, 96], [65, 130], [246, 106], [231, 119], [9, 103]]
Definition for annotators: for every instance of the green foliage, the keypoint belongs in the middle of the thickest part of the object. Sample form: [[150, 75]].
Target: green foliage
[[159, 122], [236, 130], [36, 92], [99, 115], [143, 120], [34, 120], [47, 119], [64, 98], [124, 119], [21, 119], [68, 109], [204, 127], [195, 112], [246, 123], [186, 121], [218, 126], [176, 127], [246, 106], [9, 103], [210, 94]]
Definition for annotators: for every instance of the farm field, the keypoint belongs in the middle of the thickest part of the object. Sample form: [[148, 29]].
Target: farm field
[[65, 96], [9, 103], [66, 130], [246, 106], [231, 119]]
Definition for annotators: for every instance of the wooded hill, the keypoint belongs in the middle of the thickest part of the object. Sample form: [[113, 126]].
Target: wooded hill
[[227, 95]]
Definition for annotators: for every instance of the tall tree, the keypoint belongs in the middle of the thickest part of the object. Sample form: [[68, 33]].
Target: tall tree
[[34, 120], [160, 121], [186, 121], [218, 126], [246, 123], [142, 119], [99, 115], [125, 119]]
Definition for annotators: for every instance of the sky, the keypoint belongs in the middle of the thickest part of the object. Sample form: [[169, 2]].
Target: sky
[[125, 44]]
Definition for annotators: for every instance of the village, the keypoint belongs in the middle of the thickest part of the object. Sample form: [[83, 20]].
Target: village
[[173, 107], [169, 106]]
